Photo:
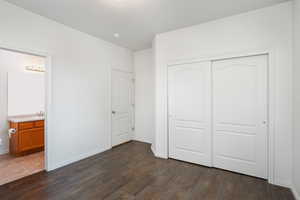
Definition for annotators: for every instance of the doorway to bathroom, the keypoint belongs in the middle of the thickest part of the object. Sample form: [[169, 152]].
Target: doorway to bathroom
[[22, 114]]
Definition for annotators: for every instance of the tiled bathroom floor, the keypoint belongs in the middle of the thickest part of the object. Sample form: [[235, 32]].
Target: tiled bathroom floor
[[13, 168]]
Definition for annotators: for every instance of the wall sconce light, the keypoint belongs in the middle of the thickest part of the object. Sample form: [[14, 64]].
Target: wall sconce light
[[35, 68]]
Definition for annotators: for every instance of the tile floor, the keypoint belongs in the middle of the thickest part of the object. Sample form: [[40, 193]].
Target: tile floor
[[13, 168]]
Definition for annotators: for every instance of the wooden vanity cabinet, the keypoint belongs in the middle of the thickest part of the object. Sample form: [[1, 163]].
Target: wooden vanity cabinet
[[29, 137]]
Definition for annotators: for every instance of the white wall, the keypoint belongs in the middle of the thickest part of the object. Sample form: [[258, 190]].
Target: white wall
[[144, 96], [26, 93], [12, 63], [296, 73], [268, 28], [81, 64]]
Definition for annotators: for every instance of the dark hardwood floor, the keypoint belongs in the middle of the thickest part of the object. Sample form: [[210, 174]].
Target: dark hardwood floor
[[130, 171]]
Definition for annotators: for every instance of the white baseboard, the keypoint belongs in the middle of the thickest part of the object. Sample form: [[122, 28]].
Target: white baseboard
[[157, 154], [295, 192], [142, 140], [153, 150], [283, 183], [75, 159]]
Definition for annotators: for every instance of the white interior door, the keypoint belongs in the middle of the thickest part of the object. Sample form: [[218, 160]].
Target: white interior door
[[189, 96], [122, 107], [240, 115]]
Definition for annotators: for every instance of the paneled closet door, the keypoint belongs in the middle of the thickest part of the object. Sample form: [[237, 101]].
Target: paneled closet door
[[189, 94], [240, 115]]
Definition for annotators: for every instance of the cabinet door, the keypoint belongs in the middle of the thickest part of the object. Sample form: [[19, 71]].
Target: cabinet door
[[31, 139]]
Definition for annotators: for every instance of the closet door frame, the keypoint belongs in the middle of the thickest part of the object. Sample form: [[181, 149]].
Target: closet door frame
[[271, 56]]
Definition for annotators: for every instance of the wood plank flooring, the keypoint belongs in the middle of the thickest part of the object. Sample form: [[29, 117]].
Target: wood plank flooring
[[130, 171]]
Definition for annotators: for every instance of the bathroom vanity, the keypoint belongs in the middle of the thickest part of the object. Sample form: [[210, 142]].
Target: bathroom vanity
[[26, 135]]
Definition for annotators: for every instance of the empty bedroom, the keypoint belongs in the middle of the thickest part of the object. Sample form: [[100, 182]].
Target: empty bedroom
[[150, 99]]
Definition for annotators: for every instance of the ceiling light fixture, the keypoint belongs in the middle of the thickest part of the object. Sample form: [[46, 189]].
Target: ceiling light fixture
[[116, 35]]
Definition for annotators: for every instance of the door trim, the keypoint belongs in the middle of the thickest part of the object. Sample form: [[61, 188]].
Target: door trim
[[48, 93], [271, 54]]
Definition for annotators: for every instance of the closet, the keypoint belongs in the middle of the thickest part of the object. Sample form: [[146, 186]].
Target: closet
[[218, 114]]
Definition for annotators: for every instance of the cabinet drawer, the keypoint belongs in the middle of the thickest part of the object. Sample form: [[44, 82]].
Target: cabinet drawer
[[31, 139], [39, 124], [26, 125]]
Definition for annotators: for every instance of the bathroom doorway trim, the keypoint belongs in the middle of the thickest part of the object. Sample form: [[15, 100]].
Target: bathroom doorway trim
[[48, 91]]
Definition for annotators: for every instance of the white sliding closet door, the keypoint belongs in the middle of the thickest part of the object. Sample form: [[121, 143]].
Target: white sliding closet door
[[240, 115], [190, 112]]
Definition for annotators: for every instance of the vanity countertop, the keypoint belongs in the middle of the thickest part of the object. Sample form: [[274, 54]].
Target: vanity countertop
[[25, 118]]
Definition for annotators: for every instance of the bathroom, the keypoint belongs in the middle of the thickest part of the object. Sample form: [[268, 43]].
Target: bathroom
[[22, 115]]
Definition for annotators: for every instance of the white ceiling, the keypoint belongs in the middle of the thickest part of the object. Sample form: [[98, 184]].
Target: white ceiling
[[136, 21]]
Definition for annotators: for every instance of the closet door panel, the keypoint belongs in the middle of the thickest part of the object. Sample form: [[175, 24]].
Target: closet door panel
[[240, 115], [190, 113]]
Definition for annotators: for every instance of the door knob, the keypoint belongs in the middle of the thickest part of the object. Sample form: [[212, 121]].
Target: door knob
[[113, 112]]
